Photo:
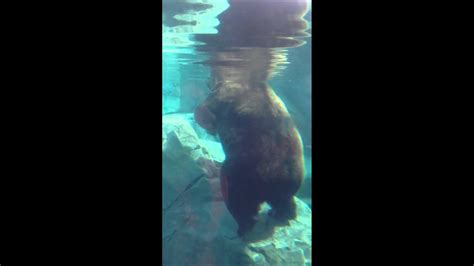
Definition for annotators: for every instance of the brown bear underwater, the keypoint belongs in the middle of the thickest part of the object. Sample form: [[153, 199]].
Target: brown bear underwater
[[264, 157]]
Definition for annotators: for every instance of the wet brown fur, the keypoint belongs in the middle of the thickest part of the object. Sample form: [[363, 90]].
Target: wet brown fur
[[264, 158]]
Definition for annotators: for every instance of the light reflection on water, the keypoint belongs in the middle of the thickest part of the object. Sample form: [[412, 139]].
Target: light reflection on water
[[209, 40], [206, 30]]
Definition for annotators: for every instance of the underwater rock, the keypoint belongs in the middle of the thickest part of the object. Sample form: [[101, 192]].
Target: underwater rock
[[197, 227], [189, 118], [202, 232], [289, 245], [181, 150], [195, 134], [214, 149], [179, 138], [185, 158]]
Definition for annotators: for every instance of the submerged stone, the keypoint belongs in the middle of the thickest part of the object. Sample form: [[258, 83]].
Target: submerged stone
[[197, 227]]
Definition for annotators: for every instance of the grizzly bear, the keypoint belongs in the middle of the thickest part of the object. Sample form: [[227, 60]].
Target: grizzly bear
[[264, 157]]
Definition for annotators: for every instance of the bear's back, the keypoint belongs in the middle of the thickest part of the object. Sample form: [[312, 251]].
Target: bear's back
[[257, 128]]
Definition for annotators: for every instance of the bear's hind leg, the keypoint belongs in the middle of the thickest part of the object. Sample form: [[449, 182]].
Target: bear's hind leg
[[283, 209], [244, 208]]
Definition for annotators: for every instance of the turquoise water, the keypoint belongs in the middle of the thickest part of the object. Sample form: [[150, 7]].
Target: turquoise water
[[206, 43]]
